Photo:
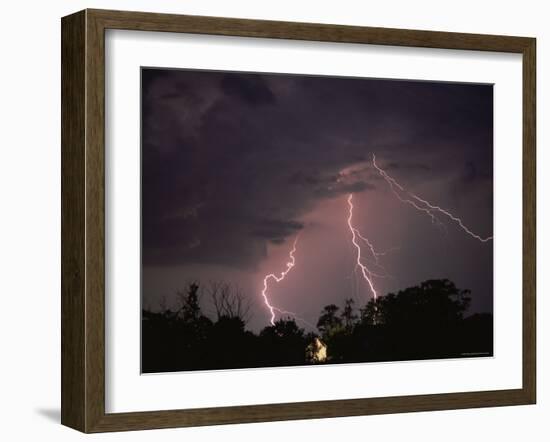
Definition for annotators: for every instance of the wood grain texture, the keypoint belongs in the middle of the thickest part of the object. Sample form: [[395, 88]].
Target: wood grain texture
[[95, 222], [83, 220], [73, 128], [529, 221], [145, 21]]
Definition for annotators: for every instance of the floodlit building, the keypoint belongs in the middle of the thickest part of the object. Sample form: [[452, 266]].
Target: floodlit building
[[316, 352]]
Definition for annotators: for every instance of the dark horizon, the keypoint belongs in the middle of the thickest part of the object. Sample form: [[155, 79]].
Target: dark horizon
[[235, 166]]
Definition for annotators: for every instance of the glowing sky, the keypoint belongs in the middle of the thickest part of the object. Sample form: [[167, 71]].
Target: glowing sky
[[235, 166]]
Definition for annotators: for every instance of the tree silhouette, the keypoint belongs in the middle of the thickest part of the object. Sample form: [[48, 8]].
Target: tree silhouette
[[422, 322], [432, 301], [283, 341], [329, 322], [229, 301], [190, 309], [348, 314]]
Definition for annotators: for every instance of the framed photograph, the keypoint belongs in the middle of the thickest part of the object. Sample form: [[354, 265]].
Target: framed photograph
[[270, 220]]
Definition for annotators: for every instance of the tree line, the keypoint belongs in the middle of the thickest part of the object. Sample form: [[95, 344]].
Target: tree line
[[427, 321]]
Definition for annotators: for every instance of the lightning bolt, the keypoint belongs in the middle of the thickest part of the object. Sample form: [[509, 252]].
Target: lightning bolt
[[394, 184], [294, 315], [272, 276], [424, 205], [367, 274], [376, 255], [357, 239]]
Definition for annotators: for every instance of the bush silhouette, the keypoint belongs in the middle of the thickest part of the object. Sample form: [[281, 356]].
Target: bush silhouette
[[421, 322]]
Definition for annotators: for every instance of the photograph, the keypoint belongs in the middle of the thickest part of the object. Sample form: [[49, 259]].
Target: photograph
[[304, 220]]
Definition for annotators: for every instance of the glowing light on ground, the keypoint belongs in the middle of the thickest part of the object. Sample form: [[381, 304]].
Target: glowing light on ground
[[316, 352]]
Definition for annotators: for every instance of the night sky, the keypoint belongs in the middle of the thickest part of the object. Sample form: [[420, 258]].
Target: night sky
[[236, 165]]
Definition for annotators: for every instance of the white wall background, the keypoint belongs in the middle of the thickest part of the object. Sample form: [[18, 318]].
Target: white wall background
[[30, 217]]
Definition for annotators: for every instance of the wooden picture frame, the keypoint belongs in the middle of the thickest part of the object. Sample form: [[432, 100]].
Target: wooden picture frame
[[83, 220]]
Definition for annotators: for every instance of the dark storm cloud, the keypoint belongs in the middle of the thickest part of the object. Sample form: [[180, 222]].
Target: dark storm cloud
[[394, 165], [339, 189], [470, 178], [232, 161], [252, 90], [332, 185], [276, 230], [311, 178]]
